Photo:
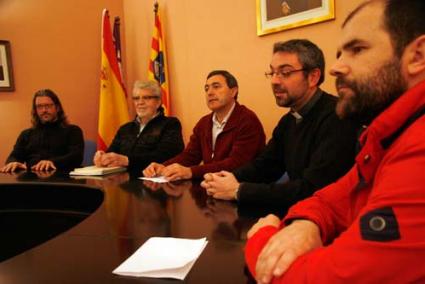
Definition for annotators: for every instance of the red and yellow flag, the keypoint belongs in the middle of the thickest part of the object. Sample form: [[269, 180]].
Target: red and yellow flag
[[158, 61], [113, 109]]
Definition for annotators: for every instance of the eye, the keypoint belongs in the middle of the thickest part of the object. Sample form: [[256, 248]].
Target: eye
[[357, 49]]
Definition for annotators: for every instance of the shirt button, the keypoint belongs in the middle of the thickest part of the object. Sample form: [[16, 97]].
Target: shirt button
[[377, 223], [366, 158]]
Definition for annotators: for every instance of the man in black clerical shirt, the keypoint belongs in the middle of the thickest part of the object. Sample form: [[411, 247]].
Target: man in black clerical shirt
[[310, 144], [51, 143]]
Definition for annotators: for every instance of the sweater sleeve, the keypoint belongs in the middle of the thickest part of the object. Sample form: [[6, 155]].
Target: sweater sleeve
[[18, 153], [331, 157], [75, 150]]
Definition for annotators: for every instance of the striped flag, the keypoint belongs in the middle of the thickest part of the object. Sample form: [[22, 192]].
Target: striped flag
[[113, 110], [158, 62]]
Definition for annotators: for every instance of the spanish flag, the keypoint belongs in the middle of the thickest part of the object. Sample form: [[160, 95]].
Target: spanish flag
[[158, 61], [113, 109]]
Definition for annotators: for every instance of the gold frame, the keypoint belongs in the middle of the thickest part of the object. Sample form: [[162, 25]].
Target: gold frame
[[325, 12], [6, 75]]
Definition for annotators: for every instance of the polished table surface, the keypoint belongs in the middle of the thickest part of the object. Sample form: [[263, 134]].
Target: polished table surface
[[62, 229]]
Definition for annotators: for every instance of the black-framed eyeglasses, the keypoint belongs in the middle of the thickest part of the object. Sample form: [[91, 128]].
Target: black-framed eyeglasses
[[44, 106], [282, 74]]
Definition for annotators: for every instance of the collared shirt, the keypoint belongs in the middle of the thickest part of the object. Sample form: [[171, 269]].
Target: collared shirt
[[142, 126], [308, 106], [218, 127]]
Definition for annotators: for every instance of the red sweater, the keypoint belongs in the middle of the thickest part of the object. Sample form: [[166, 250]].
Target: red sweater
[[387, 183], [240, 141]]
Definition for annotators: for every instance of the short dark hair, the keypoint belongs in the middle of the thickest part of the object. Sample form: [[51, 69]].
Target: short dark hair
[[230, 79], [309, 55], [404, 21], [61, 117]]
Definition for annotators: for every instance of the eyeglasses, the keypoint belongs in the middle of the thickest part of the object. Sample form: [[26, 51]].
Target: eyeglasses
[[44, 106], [144, 98], [282, 74]]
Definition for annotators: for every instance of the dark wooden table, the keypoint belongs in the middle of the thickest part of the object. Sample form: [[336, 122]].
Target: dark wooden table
[[68, 230]]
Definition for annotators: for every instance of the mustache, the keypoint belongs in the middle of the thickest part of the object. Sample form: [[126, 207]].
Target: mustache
[[279, 89], [342, 82]]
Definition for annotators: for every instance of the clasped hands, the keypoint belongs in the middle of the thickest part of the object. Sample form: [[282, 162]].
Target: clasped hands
[[221, 185]]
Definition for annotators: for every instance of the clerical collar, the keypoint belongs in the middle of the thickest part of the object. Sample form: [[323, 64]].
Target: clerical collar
[[308, 106]]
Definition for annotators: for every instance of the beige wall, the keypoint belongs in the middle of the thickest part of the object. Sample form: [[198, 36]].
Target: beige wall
[[56, 44], [221, 34]]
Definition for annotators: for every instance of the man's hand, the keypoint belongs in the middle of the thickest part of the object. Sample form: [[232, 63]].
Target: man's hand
[[269, 220], [153, 170], [221, 185], [97, 159], [112, 160], [176, 172], [12, 166], [43, 165], [285, 247]]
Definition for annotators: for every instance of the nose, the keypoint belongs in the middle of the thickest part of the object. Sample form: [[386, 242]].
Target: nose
[[339, 68], [275, 80]]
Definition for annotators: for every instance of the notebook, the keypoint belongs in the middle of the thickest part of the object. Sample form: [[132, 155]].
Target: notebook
[[96, 171]]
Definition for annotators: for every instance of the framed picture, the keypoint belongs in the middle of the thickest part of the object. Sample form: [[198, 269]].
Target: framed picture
[[279, 15], [6, 71]]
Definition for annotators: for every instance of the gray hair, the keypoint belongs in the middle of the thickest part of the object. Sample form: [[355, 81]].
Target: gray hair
[[148, 85]]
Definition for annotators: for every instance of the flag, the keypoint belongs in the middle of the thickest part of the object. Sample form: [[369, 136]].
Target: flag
[[117, 42], [113, 110], [157, 70]]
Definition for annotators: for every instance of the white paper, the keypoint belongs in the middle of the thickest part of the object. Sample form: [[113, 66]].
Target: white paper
[[160, 179], [96, 171], [163, 258]]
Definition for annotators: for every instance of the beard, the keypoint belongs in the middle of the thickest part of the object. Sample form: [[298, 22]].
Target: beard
[[366, 97], [289, 97]]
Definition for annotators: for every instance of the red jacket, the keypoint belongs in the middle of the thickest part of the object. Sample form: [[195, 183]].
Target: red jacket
[[372, 220], [240, 141]]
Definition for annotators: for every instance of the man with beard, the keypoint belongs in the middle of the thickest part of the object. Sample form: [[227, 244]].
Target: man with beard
[[51, 143], [310, 144], [367, 227]]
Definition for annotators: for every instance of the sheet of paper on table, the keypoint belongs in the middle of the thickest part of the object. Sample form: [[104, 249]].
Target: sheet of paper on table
[[160, 179], [163, 258]]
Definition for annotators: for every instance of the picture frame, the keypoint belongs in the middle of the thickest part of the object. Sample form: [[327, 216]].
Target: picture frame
[[278, 15], [6, 70]]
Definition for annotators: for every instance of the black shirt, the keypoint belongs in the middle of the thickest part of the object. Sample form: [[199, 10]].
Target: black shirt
[[160, 140], [313, 151], [63, 145]]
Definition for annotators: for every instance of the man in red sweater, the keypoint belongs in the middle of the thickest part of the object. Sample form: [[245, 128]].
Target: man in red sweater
[[369, 226], [225, 139]]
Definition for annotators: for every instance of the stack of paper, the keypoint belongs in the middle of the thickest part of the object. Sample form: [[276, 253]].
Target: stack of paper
[[159, 179], [163, 258], [96, 171]]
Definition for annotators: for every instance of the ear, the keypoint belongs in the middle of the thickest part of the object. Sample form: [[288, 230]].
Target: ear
[[314, 77], [234, 91], [415, 56]]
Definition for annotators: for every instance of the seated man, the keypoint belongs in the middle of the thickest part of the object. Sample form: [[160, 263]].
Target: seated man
[[51, 143], [227, 138], [310, 144], [369, 226], [151, 136]]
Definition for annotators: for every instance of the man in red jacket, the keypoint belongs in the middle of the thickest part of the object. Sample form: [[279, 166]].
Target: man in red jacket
[[230, 136], [369, 226]]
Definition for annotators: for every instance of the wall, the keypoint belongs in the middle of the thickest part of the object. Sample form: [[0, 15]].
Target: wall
[[55, 44], [221, 34]]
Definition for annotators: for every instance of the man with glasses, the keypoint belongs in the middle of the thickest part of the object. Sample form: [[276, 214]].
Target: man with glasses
[[230, 136], [151, 136], [51, 143], [310, 144]]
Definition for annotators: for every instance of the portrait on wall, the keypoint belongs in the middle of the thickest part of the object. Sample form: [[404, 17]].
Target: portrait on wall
[[6, 71], [278, 15]]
